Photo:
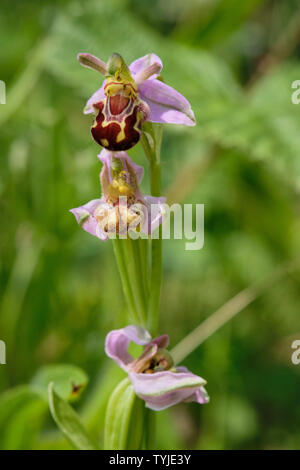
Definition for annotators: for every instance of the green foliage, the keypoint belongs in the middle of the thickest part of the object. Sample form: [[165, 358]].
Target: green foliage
[[68, 421], [21, 414], [23, 409], [68, 381]]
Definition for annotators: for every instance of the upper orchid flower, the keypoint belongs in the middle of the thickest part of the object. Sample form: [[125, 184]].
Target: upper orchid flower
[[153, 376], [122, 207], [128, 97]]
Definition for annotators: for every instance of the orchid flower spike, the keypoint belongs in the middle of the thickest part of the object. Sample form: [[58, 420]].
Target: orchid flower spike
[[130, 96], [122, 208], [152, 374]]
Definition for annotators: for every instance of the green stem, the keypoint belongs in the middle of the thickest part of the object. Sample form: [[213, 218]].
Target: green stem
[[151, 140], [140, 262], [156, 256], [149, 430], [229, 310], [153, 154], [155, 285], [125, 280], [143, 257], [136, 282]]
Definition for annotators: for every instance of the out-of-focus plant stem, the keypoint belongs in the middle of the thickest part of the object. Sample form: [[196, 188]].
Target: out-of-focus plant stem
[[229, 310]]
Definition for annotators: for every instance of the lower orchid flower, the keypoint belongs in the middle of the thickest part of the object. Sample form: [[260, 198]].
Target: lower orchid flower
[[128, 97], [122, 209], [154, 377]]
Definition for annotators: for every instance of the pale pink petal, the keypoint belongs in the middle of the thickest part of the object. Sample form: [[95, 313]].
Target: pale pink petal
[[144, 62], [92, 62], [161, 390], [200, 395], [161, 341], [117, 341], [166, 104], [95, 98], [85, 218]]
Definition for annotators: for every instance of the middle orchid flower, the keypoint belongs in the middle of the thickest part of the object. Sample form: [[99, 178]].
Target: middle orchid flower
[[122, 207], [128, 97]]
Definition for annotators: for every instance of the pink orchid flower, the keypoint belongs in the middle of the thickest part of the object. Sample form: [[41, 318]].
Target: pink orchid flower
[[122, 207], [152, 374], [130, 96]]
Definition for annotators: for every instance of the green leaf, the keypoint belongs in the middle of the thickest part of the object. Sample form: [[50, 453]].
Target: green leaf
[[69, 422], [23, 428], [16, 406], [124, 419], [69, 381]]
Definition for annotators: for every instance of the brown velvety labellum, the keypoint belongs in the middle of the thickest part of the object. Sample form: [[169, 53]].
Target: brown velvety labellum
[[114, 131]]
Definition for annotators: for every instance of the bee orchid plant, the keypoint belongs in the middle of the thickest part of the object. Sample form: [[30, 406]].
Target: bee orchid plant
[[131, 105]]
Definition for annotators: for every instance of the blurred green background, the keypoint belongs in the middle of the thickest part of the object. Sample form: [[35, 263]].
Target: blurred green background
[[60, 291]]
